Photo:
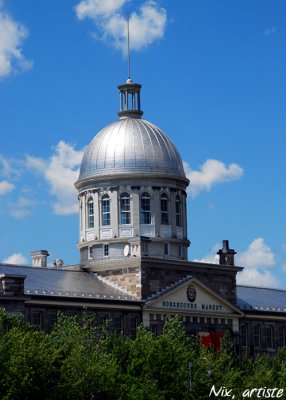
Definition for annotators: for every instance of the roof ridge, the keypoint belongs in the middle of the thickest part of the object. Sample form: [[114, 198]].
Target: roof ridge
[[261, 287]]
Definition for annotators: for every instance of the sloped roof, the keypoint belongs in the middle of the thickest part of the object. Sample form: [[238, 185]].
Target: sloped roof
[[261, 299], [65, 282]]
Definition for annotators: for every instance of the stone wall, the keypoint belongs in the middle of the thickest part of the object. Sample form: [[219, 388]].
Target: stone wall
[[157, 274]]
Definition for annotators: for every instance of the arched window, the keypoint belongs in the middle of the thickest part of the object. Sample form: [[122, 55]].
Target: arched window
[[90, 214], [164, 210], [105, 210], [145, 208], [178, 211], [125, 216]]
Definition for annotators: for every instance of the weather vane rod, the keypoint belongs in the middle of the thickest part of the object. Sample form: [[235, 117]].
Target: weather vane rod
[[128, 47]]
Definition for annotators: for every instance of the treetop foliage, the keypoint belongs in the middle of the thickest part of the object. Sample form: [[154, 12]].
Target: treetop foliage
[[80, 361]]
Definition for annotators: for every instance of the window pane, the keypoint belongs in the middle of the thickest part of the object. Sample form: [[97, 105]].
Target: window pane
[[178, 212], [166, 249], [90, 214], [117, 324], [256, 335], [164, 210], [125, 217], [105, 250], [281, 336], [243, 335], [132, 326], [145, 209], [269, 336], [105, 210]]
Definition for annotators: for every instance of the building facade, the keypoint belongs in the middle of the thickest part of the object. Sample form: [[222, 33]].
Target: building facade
[[133, 246]]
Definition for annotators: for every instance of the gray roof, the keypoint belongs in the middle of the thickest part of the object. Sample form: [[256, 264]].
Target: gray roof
[[64, 283], [130, 146], [261, 299]]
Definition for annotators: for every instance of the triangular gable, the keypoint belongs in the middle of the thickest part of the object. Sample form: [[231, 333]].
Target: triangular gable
[[189, 297]]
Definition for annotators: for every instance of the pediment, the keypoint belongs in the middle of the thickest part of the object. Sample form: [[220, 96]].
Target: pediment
[[192, 297]]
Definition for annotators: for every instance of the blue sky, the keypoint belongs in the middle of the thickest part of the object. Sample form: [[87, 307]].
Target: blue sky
[[213, 75]]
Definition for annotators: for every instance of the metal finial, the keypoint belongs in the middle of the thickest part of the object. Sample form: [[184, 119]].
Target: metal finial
[[128, 47]]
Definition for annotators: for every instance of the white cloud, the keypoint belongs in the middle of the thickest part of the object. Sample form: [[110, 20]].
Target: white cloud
[[212, 257], [256, 260], [255, 277], [145, 27], [23, 207], [211, 173], [258, 255], [270, 31], [16, 258], [60, 171], [96, 8], [12, 35], [6, 187]]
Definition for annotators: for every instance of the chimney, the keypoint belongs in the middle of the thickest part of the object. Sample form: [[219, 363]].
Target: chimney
[[226, 255], [39, 258], [58, 263]]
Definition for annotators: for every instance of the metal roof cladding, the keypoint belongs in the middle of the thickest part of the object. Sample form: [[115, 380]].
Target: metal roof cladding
[[261, 299], [131, 146], [64, 282]]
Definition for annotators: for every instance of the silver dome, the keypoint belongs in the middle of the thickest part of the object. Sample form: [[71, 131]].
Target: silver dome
[[131, 146]]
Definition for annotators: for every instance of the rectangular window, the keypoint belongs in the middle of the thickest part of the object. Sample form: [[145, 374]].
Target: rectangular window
[[164, 210], [243, 335], [166, 249], [105, 211], [145, 209], [37, 318], [282, 342], [89, 252], [269, 336], [154, 329], [104, 320], [180, 251], [90, 214], [106, 250], [256, 335], [125, 217], [52, 319], [178, 212], [117, 324], [132, 326]]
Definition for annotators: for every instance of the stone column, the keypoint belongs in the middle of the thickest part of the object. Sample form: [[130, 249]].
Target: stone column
[[172, 212], [156, 210], [135, 218]]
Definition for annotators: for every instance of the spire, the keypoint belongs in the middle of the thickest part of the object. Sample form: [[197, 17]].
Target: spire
[[129, 92], [128, 50]]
